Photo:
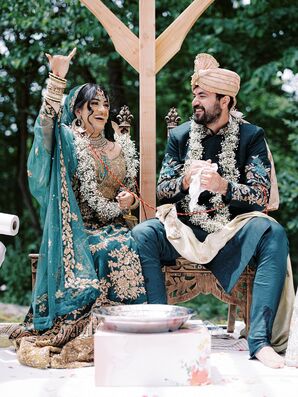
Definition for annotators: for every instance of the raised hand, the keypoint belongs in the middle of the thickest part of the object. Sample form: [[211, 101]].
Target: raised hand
[[59, 64]]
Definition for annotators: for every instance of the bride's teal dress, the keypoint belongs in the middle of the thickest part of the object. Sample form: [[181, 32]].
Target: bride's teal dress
[[87, 257]]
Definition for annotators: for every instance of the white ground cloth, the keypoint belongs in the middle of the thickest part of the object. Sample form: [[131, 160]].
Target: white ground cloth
[[233, 374]]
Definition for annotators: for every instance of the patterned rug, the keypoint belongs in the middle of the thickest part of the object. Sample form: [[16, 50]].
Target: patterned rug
[[5, 330], [227, 342]]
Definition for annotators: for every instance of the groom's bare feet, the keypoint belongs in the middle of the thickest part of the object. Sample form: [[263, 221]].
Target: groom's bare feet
[[270, 358]]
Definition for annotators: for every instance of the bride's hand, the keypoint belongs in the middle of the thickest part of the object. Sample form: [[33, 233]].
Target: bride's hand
[[59, 64], [125, 200]]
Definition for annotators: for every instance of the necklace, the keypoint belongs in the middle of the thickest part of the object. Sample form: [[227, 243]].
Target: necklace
[[99, 142], [227, 162]]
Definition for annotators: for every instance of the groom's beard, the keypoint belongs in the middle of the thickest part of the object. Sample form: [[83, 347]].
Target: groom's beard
[[207, 117]]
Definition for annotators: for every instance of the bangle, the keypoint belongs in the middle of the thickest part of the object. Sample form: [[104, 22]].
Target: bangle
[[135, 204], [55, 88], [57, 78]]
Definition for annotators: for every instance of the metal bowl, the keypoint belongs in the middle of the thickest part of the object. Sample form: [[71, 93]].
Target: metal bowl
[[143, 318]]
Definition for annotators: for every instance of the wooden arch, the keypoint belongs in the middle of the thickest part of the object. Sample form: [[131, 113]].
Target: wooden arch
[[147, 55]]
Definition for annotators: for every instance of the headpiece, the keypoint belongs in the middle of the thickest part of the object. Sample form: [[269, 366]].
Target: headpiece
[[100, 95], [210, 77]]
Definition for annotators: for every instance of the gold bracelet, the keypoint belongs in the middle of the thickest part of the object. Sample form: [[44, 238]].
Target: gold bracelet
[[135, 204], [55, 88], [57, 83], [53, 97], [54, 77], [56, 91], [50, 98]]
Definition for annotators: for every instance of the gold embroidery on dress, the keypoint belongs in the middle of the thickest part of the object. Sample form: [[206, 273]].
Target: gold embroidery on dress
[[126, 273], [108, 186], [68, 253], [69, 343], [103, 244]]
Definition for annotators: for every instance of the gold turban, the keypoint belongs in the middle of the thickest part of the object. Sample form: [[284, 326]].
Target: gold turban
[[210, 77]]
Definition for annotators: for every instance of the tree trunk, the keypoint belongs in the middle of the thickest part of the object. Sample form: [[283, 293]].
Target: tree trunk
[[118, 95], [116, 86], [22, 110]]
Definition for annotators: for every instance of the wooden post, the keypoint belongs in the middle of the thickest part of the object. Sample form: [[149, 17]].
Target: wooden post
[[170, 41], [147, 56], [125, 41], [147, 105]]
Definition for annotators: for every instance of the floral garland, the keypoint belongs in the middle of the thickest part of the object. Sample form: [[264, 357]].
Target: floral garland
[[105, 208], [227, 162], [130, 156]]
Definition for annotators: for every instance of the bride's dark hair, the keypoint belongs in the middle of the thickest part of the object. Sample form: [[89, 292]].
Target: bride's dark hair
[[86, 94]]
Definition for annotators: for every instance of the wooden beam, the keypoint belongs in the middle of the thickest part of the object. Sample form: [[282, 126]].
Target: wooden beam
[[147, 56], [170, 41], [147, 105], [125, 41]]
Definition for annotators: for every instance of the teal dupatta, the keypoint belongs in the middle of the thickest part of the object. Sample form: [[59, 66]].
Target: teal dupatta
[[66, 279]]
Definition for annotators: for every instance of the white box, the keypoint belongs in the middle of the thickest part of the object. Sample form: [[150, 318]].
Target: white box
[[179, 358]]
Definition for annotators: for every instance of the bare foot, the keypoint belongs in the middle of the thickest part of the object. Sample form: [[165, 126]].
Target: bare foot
[[270, 358]]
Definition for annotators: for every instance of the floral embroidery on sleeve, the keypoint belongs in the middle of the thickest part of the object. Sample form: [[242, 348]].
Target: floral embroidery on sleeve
[[256, 189], [47, 115], [170, 178], [47, 111]]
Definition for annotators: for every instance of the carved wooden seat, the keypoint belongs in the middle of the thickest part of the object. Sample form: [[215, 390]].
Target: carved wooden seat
[[33, 260], [186, 280]]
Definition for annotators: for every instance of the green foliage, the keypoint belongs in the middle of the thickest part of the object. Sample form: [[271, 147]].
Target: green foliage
[[256, 40], [207, 307], [288, 175], [16, 276], [15, 273]]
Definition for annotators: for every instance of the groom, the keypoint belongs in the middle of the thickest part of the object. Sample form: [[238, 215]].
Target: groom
[[217, 137]]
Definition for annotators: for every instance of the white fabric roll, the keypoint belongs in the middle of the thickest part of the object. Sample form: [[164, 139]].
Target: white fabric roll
[[2, 253], [9, 224]]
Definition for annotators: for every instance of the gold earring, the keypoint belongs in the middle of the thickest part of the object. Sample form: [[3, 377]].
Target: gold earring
[[78, 125]]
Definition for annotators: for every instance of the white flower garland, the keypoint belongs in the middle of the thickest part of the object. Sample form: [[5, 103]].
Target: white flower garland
[[227, 162], [131, 158], [89, 189]]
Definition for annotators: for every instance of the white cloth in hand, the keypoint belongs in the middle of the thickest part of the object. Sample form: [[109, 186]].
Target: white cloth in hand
[[195, 186]]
